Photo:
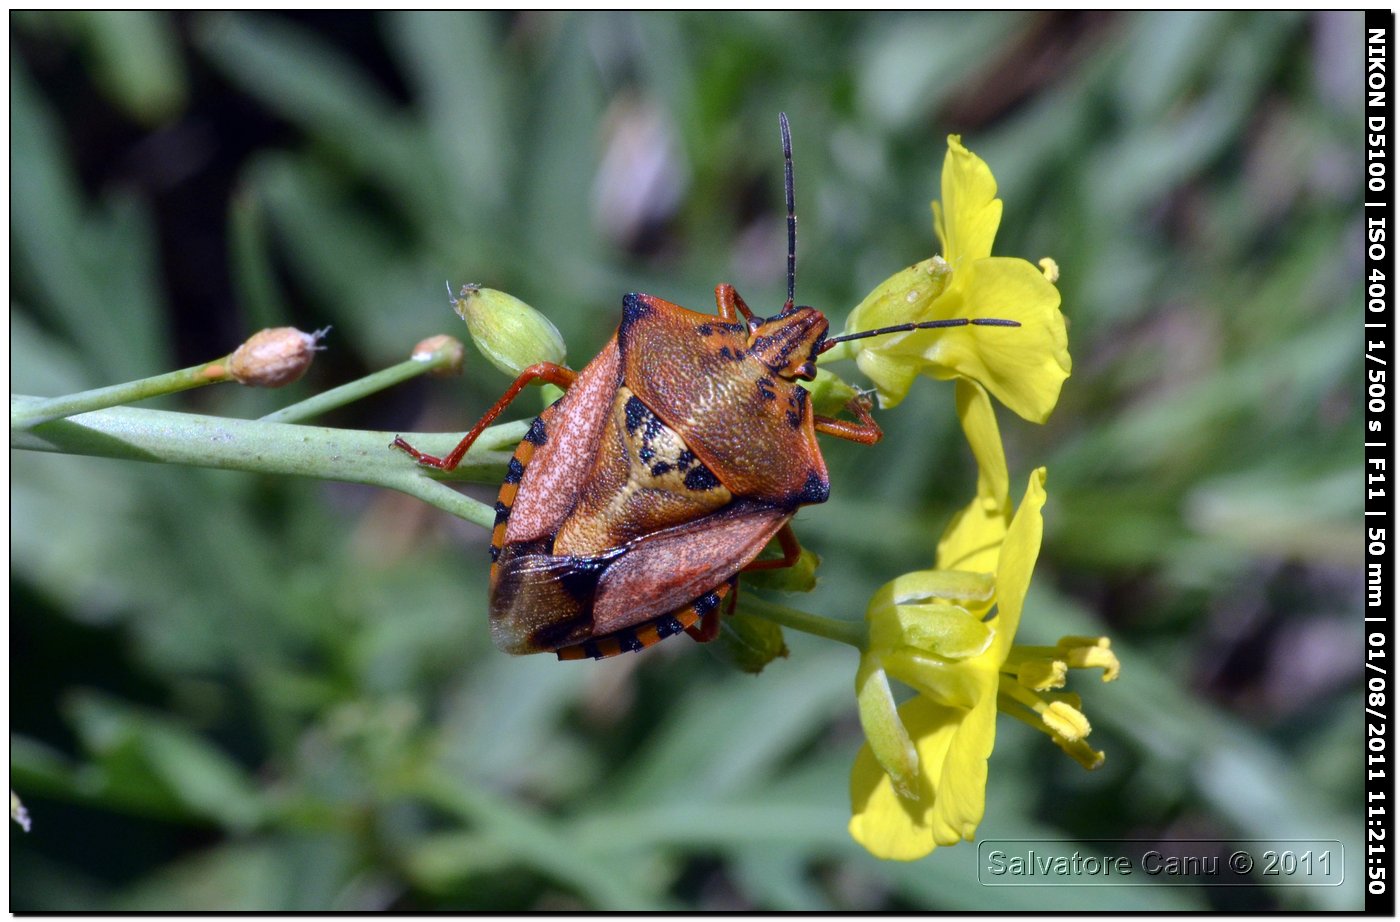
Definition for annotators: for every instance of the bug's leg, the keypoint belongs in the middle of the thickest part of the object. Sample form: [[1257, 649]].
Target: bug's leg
[[545, 371], [730, 305], [708, 628], [864, 430], [787, 540]]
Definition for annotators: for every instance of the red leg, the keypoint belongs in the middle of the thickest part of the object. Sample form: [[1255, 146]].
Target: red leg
[[730, 305], [545, 371], [787, 539], [864, 430], [708, 628]]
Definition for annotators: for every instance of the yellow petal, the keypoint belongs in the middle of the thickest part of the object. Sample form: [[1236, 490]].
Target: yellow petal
[[973, 539], [889, 826], [962, 791], [1018, 555], [1024, 367], [967, 217], [953, 746]]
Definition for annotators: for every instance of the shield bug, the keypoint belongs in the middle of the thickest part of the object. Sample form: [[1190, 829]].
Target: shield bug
[[674, 457]]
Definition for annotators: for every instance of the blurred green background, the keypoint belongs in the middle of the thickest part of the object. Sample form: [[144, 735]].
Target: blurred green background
[[239, 692]]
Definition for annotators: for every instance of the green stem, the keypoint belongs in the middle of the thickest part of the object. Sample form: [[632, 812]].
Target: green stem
[[362, 387], [350, 455], [41, 410], [852, 633]]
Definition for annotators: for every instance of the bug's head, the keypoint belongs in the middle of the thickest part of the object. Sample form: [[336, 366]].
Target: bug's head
[[788, 343]]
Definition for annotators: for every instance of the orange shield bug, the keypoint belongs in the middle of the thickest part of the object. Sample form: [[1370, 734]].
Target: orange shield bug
[[672, 460]]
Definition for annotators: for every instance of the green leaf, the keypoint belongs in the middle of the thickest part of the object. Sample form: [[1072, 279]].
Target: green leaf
[[147, 761], [137, 60]]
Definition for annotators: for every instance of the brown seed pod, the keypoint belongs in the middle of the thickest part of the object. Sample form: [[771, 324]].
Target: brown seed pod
[[274, 357]]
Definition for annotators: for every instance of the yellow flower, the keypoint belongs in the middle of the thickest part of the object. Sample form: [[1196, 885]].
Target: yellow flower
[[1023, 367], [920, 780]]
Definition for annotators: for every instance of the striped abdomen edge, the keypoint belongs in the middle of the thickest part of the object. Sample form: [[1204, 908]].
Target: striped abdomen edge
[[643, 635], [515, 469]]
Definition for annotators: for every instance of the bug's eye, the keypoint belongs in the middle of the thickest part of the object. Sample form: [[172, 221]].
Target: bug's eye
[[807, 371]]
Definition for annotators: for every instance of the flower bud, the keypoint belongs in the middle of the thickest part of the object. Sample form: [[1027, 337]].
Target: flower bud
[[800, 577], [449, 348], [274, 357], [830, 394], [747, 642], [511, 334]]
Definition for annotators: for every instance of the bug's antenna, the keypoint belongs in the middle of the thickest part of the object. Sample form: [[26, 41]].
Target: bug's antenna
[[791, 210], [924, 325]]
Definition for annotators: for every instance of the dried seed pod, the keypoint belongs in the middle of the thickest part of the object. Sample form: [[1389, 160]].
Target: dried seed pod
[[274, 357], [433, 346]]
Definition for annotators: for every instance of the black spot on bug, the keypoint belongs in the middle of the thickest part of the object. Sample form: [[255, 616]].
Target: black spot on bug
[[581, 574], [646, 454], [629, 642], [667, 626], [537, 434], [685, 459], [514, 470], [660, 470], [495, 553], [634, 307], [706, 604], [798, 401], [817, 489], [502, 512], [704, 329], [765, 387], [699, 478], [591, 649], [637, 413]]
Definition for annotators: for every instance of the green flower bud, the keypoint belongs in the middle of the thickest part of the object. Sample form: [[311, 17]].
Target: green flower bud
[[830, 393], [511, 334], [800, 577], [747, 642]]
